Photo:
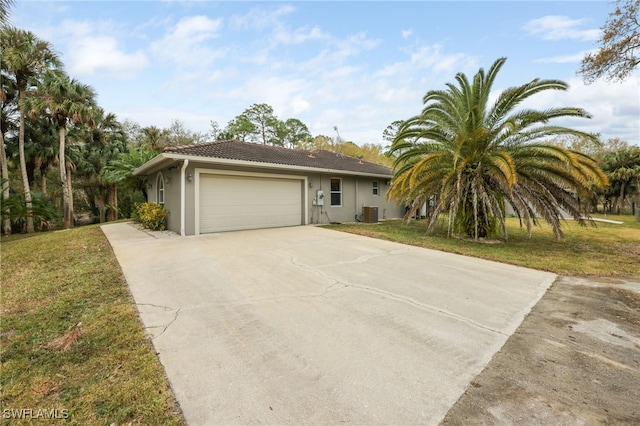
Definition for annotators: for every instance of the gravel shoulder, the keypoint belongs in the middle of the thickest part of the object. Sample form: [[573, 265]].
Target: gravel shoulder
[[575, 360]]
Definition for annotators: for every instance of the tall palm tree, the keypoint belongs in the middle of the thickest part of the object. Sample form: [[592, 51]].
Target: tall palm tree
[[66, 101], [472, 158], [8, 110], [25, 56]]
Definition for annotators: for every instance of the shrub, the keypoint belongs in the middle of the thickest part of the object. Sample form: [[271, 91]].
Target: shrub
[[151, 215], [43, 211]]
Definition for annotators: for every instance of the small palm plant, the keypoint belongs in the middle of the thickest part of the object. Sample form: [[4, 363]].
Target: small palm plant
[[471, 158]]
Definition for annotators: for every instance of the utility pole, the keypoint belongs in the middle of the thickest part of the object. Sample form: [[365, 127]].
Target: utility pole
[[339, 139]]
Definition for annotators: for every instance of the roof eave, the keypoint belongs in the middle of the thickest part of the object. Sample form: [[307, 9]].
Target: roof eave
[[163, 159], [156, 163]]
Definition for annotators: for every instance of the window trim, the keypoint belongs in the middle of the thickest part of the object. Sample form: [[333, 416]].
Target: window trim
[[376, 188], [160, 189], [331, 192]]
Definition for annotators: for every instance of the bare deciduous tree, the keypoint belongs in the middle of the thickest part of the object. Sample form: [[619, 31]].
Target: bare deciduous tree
[[619, 52]]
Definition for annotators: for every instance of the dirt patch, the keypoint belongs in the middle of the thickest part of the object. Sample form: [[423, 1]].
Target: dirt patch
[[575, 360]]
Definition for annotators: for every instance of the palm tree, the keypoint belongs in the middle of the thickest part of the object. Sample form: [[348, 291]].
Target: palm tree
[[8, 110], [4, 10], [66, 101], [471, 158], [41, 150], [119, 171], [623, 169], [25, 56], [154, 137], [106, 140]]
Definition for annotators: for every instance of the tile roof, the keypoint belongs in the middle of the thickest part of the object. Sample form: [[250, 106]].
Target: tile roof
[[245, 151]]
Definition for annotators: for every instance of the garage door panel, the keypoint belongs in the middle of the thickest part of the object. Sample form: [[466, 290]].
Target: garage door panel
[[241, 202]]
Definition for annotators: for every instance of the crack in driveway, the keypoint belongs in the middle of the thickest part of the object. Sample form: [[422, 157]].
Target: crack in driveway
[[164, 327]]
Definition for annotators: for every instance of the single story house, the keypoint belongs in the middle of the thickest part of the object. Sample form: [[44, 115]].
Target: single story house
[[231, 185]]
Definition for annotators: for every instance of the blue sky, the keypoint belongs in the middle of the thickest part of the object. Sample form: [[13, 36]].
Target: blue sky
[[355, 65]]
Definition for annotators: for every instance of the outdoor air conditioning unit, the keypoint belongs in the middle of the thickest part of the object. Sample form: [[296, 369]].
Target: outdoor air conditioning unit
[[370, 214]]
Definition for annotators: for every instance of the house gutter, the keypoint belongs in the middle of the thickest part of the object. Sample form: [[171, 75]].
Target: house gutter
[[150, 165], [183, 197], [159, 161]]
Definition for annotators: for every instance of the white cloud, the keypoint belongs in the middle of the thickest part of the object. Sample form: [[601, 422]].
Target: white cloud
[[187, 44], [295, 106], [299, 35], [566, 59], [101, 55], [93, 48], [355, 44], [260, 18], [284, 94], [194, 120], [615, 107], [406, 33], [196, 29], [554, 27], [428, 57], [333, 59]]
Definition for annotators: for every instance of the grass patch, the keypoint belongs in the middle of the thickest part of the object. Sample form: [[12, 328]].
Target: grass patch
[[71, 336], [604, 250]]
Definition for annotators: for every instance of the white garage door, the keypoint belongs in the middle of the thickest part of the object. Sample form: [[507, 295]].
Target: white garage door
[[229, 203]]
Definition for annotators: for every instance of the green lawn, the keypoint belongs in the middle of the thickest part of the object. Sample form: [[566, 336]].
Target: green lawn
[[604, 250], [102, 372]]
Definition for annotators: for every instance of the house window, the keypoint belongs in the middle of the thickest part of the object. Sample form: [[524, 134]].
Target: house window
[[336, 192], [376, 188], [160, 189]]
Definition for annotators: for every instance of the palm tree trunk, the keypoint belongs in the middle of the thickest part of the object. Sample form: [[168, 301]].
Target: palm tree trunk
[[38, 166], [621, 200], [43, 181], [68, 223], [6, 223], [99, 200], [70, 194], [23, 169], [115, 202], [112, 200]]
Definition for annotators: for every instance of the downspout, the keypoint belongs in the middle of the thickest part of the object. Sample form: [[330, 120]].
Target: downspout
[[319, 207], [183, 197], [357, 193]]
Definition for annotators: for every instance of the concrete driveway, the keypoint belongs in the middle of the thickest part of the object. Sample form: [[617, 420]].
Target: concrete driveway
[[308, 325]]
